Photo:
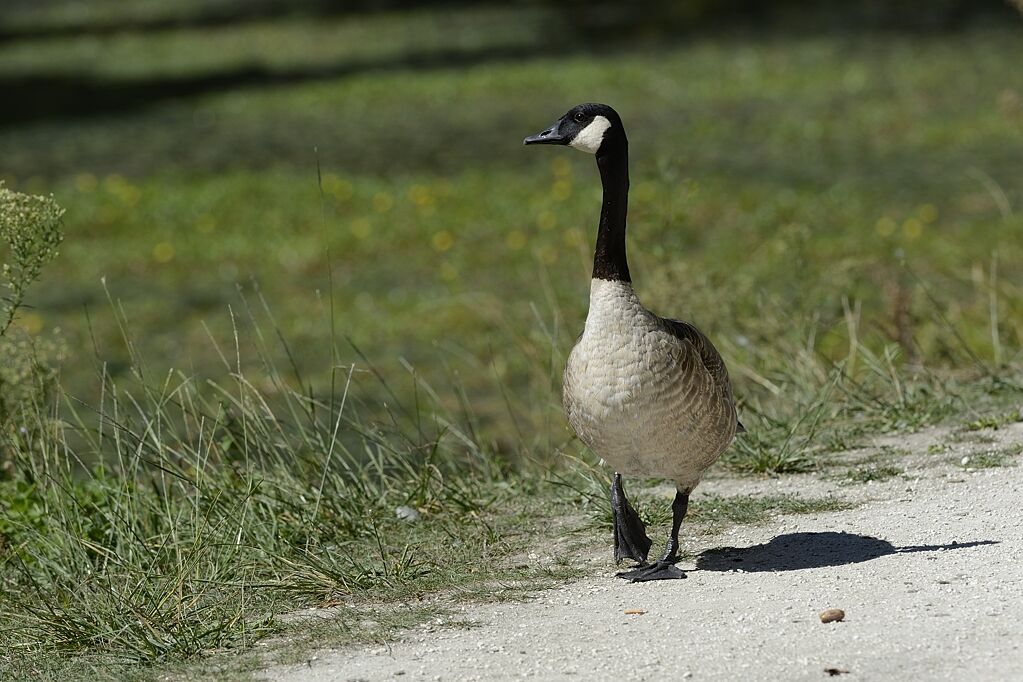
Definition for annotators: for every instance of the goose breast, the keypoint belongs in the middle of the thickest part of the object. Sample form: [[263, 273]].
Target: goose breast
[[642, 392]]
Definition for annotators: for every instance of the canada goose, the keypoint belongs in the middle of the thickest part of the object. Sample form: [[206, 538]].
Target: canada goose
[[649, 395]]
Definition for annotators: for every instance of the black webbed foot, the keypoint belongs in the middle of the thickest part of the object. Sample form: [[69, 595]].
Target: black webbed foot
[[660, 570], [631, 541], [664, 568]]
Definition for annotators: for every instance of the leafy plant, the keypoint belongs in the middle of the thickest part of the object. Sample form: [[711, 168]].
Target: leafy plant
[[30, 228]]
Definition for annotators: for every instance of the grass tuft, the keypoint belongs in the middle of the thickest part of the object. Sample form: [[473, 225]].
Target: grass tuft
[[992, 459], [995, 421], [870, 473], [715, 511]]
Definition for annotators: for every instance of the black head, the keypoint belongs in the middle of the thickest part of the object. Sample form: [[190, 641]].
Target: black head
[[588, 127]]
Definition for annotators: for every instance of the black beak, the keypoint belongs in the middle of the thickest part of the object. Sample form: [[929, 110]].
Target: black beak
[[549, 136]]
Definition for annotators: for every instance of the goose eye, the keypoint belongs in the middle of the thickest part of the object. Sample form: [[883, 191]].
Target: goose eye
[[579, 117]]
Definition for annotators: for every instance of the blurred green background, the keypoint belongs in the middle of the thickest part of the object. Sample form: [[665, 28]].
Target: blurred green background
[[802, 172]]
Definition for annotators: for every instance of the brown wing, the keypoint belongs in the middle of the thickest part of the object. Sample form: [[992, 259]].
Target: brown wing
[[708, 355]]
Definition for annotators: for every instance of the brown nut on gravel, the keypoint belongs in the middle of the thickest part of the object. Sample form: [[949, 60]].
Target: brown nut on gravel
[[832, 615]]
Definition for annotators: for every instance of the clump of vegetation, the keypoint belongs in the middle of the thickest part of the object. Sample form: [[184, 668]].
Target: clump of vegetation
[[991, 459], [30, 227], [994, 421], [877, 467], [717, 510], [770, 450], [869, 473], [177, 517], [30, 233]]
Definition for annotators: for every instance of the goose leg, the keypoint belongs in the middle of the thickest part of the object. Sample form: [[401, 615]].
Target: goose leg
[[631, 541], [664, 568]]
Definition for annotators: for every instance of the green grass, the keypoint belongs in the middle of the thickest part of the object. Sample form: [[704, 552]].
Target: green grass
[[881, 465], [814, 197], [870, 473], [290, 308], [281, 45], [207, 514], [718, 511], [992, 459], [994, 421]]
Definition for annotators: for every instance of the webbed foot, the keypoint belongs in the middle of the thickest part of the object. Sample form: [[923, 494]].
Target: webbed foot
[[664, 568], [660, 570], [631, 541]]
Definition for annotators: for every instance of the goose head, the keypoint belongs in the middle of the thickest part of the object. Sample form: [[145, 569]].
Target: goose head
[[592, 128]]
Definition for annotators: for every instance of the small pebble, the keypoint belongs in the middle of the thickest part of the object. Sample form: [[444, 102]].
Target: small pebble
[[832, 615], [406, 513]]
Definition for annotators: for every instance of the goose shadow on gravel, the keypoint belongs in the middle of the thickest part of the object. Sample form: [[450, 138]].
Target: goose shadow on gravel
[[796, 551]]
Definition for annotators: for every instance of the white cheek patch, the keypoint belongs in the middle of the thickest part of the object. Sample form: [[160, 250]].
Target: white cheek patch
[[590, 137]]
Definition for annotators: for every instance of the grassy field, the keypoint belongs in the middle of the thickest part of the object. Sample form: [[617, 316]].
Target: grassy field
[[310, 275], [849, 158]]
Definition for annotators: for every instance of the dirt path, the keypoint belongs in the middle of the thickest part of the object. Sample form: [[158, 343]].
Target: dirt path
[[929, 571]]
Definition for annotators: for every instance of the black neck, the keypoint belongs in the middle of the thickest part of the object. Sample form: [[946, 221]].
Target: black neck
[[609, 262]]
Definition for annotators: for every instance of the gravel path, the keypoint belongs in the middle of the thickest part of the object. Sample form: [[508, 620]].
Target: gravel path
[[928, 571]]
